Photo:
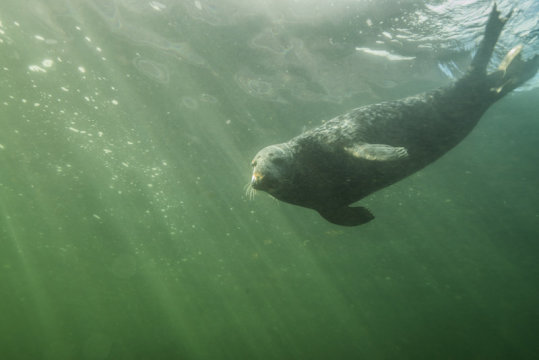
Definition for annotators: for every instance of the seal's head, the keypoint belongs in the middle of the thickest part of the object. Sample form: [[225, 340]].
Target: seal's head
[[271, 168]]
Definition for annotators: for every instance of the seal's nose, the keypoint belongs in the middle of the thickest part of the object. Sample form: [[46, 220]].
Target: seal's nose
[[256, 178]]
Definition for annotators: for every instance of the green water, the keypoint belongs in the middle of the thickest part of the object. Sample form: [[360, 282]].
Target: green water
[[126, 133]]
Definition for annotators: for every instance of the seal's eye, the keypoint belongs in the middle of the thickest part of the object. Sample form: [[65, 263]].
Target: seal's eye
[[253, 163]]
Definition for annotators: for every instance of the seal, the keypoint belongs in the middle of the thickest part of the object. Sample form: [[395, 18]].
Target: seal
[[365, 150]]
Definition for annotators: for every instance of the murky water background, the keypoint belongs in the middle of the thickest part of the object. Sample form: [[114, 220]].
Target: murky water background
[[126, 132]]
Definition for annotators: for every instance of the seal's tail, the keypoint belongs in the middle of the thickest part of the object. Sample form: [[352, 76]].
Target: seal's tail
[[513, 71], [486, 47]]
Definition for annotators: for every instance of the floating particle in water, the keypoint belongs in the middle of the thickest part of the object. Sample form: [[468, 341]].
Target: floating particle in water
[[157, 6], [189, 103], [387, 35], [82, 69], [47, 63], [36, 68]]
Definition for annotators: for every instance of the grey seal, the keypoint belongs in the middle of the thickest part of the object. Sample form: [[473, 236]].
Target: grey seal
[[357, 153]]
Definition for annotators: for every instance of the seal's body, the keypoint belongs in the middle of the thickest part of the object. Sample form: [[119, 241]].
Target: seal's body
[[371, 147]]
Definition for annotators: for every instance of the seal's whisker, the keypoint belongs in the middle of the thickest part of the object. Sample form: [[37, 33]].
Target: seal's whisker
[[249, 191], [252, 193]]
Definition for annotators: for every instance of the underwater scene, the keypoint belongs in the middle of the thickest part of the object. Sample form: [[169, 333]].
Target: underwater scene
[[130, 227]]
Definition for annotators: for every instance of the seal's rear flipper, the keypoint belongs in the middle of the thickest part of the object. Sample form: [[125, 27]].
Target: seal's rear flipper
[[347, 216], [486, 47], [512, 72]]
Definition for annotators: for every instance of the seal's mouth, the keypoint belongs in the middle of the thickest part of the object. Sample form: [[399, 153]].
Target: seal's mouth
[[254, 185], [256, 180], [264, 181]]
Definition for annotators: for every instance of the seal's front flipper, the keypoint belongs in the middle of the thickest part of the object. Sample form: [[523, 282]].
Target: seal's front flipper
[[380, 152], [347, 216]]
